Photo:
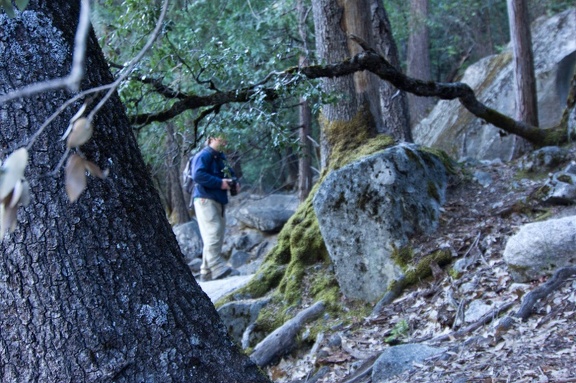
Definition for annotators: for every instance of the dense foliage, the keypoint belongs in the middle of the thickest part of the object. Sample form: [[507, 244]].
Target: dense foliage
[[210, 46]]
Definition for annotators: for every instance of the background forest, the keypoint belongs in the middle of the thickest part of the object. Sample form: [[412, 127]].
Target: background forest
[[225, 45]]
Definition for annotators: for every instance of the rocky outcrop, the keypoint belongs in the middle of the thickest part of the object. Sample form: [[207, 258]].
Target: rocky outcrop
[[371, 207], [540, 248], [560, 188], [455, 130]]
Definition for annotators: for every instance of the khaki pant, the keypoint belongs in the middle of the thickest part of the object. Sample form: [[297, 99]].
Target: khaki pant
[[212, 224]]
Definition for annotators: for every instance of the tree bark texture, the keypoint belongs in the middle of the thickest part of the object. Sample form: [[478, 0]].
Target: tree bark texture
[[524, 76], [178, 202], [418, 58], [334, 20], [393, 101], [97, 290]]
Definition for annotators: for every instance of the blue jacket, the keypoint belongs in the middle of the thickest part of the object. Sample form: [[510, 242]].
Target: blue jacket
[[207, 173]]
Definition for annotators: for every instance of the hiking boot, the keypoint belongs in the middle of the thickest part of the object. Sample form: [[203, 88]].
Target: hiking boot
[[205, 277], [229, 272]]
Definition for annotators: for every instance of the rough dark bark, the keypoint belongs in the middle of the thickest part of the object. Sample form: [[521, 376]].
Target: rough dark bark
[[95, 291]]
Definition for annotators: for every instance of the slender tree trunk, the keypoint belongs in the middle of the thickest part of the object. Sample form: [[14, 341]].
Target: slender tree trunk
[[305, 158], [394, 102], [521, 38], [305, 115], [418, 57], [178, 201], [290, 160], [97, 290]]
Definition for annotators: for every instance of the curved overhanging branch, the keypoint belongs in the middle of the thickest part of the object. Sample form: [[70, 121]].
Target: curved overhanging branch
[[369, 60], [191, 102]]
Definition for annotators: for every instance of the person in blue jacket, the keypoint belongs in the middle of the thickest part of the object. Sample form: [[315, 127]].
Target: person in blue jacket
[[213, 177]]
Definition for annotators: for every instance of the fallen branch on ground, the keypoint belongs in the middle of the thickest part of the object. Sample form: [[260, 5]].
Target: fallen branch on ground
[[283, 340]]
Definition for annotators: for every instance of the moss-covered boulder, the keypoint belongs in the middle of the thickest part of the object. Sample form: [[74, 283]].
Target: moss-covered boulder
[[372, 207]]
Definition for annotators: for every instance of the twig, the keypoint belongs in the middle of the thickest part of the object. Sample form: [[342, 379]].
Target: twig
[[364, 370]]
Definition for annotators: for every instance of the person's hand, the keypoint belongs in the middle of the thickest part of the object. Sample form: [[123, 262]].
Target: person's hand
[[225, 185]]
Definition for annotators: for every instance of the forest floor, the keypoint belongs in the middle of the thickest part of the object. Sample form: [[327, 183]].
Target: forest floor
[[475, 224]]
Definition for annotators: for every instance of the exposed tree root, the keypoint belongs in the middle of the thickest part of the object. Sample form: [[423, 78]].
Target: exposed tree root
[[283, 340], [530, 299]]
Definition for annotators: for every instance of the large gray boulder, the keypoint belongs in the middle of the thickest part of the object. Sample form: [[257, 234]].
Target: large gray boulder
[[371, 207], [395, 360], [455, 130], [540, 248], [189, 239], [238, 315], [267, 214]]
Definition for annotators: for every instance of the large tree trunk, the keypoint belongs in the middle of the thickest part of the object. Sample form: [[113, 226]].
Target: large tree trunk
[[418, 58], [97, 290], [333, 21]]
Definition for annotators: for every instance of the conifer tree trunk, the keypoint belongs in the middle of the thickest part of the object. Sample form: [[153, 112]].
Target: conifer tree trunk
[[97, 290], [525, 78], [305, 155], [524, 75], [334, 20]]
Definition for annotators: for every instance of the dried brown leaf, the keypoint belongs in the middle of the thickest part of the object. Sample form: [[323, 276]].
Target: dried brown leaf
[[81, 132], [13, 171], [8, 219], [75, 177]]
